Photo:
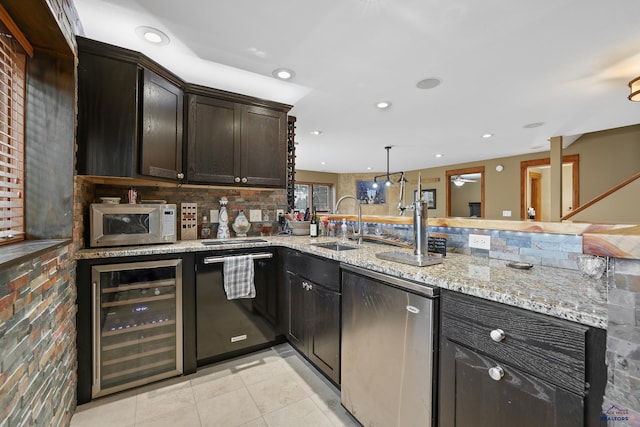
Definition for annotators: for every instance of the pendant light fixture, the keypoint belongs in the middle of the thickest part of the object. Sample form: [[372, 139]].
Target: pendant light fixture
[[388, 175]]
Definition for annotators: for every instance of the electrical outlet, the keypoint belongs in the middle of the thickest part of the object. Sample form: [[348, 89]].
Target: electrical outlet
[[479, 241], [279, 212], [506, 213]]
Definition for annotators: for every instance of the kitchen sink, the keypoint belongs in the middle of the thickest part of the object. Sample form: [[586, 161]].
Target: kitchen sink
[[335, 246]]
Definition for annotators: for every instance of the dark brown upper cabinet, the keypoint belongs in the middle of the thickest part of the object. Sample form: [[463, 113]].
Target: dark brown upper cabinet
[[130, 117], [161, 132], [235, 143]]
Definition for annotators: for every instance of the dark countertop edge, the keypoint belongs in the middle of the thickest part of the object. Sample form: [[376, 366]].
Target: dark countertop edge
[[16, 253]]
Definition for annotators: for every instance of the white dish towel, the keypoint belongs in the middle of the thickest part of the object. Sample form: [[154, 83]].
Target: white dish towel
[[238, 277]]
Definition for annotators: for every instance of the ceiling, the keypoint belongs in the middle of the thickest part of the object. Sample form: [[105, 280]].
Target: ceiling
[[502, 65]]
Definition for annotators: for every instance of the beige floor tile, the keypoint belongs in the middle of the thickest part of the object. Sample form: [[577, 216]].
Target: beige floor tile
[[277, 392], [164, 400], [260, 370], [329, 404], [229, 410], [260, 422], [309, 376], [186, 416], [302, 413], [114, 413], [215, 384]]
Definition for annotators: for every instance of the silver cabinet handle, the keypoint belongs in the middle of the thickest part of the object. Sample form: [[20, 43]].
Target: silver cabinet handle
[[496, 373], [497, 335], [237, 179], [180, 175], [95, 307], [244, 180]]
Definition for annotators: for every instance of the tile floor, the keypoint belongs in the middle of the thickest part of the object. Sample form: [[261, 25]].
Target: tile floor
[[274, 388]]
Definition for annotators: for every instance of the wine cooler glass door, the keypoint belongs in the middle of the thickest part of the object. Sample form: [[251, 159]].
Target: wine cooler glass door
[[137, 324]]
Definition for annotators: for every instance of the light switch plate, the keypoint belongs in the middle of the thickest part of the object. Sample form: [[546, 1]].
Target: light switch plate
[[479, 241], [255, 215], [506, 213]]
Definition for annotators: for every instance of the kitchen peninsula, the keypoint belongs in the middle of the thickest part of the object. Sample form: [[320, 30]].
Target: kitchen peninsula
[[557, 297]]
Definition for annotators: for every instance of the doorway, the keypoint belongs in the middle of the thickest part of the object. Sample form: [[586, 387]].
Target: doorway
[[535, 185], [535, 189], [471, 180]]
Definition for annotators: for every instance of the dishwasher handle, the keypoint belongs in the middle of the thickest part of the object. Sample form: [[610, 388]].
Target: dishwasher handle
[[218, 259]]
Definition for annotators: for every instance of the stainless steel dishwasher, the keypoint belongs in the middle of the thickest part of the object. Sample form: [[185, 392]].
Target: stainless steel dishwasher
[[388, 349]]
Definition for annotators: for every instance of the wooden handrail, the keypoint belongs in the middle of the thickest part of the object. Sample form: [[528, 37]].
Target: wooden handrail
[[601, 196]]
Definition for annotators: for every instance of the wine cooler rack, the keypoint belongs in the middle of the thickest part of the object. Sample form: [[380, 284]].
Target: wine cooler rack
[[137, 324]]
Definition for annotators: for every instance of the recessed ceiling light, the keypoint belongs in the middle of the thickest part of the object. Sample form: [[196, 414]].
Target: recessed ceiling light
[[439, 155], [383, 105], [533, 125], [323, 163], [368, 168], [315, 132], [283, 73], [429, 83], [487, 135], [152, 35]]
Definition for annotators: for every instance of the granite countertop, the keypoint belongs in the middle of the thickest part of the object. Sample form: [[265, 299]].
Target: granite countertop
[[558, 292]]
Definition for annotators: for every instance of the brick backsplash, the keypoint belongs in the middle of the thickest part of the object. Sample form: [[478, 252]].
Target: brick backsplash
[[267, 200], [38, 340]]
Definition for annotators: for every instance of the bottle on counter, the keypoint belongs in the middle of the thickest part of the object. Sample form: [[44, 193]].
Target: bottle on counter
[[306, 215], [343, 227], [313, 226], [205, 228], [223, 226]]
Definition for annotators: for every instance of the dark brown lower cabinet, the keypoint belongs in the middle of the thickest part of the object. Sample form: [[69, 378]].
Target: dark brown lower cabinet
[[507, 366], [314, 323], [469, 397]]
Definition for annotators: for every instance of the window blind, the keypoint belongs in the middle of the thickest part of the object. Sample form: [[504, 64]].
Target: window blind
[[12, 125]]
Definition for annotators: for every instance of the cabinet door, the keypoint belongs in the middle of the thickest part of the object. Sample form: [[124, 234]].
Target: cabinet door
[[470, 397], [161, 132], [264, 146], [107, 116], [266, 290], [297, 322], [213, 141], [324, 336]]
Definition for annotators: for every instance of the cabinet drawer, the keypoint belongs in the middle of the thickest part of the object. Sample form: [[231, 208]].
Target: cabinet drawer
[[549, 348], [318, 270]]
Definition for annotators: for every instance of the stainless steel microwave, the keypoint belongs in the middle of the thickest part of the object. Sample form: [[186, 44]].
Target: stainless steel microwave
[[130, 224]]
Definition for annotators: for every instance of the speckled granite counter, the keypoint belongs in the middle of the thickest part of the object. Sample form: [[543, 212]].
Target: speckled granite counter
[[558, 292]]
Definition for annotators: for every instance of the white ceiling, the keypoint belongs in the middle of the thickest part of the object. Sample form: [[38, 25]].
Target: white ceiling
[[503, 64]]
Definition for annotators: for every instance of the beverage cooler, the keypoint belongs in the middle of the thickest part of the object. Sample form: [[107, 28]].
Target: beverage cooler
[[136, 324]]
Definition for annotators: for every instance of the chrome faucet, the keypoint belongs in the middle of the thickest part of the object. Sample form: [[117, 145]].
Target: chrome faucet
[[357, 234]]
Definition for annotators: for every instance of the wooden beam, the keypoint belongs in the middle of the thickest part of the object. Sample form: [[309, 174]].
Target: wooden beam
[[15, 31]]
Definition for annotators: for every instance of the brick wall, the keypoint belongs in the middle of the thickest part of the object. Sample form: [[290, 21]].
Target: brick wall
[[38, 340], [622, 395]]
